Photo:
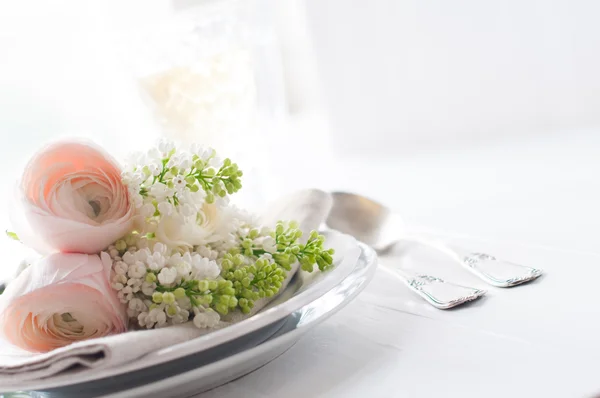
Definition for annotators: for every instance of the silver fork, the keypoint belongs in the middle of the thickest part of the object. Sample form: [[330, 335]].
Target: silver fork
[[377, 225]]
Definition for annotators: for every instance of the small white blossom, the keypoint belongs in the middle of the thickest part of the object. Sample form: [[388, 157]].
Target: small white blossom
[[181, 317], [137, 270], [142, 254], [165, 147], [136, 304], [206, 319], [205, 268], [160, 191], [148, 288], [166, 276], [269, 245], [154, 169], [183, 269], [207, 252], [165, 208], [160, 248], [120, 268], [147, 210], [129, 258], [187, 210], [179, 183], [138, 200]]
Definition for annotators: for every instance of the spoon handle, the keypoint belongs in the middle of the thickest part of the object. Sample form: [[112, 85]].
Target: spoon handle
[[437, 292], [487, 267]]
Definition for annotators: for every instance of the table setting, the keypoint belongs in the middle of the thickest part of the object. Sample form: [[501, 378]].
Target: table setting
[[230, 250], [52, 347]]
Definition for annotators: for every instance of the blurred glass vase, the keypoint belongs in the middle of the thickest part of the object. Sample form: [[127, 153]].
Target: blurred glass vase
[[211, 73]]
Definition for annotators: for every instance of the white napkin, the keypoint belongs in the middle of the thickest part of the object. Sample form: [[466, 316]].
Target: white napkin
[[309, 208]]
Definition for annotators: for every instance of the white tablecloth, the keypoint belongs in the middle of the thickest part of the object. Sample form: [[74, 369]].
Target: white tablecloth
[[541, 339]]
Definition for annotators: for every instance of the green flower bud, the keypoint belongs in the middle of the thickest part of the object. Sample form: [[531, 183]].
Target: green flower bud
[[168, 298], [179, 293], [212, 285], [157, 297], [150, 277], [279, 229], [172, 310], [222, 309], [203, 285]]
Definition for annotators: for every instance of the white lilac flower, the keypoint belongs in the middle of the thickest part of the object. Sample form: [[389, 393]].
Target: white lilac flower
[[154, 169], [207, 252], [159, 248], [179, 183], [205, 268], [137, 304], [120, 268], [158, 316], [185, 161], [129, 258], [160, 191], [142, 254], [148, 288], [166, 276], [147, 210], [183, 269], [165, 147], [268, 244], [187, 210], [181, 317], [137, 270], [165, 208], [207, 319]]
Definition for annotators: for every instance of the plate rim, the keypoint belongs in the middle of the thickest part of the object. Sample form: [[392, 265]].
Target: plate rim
[[301, 326]]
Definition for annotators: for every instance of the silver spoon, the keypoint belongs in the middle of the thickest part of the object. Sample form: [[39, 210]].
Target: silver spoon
[[375, 224]]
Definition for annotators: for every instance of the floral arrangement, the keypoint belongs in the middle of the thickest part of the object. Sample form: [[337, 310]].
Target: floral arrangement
[[154, 244]]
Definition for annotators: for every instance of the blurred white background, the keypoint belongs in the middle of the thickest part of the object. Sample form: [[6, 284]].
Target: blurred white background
[[472, 116], [411, 74], [395, 75]]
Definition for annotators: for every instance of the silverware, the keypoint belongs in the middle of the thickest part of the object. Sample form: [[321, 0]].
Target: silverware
[[364, 222], [376, 225]]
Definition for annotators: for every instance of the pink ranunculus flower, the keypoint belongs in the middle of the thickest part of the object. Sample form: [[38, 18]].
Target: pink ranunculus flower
[[71, 199], [62, 299]]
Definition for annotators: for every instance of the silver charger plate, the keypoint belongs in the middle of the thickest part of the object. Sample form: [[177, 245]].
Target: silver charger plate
[[201, 370]]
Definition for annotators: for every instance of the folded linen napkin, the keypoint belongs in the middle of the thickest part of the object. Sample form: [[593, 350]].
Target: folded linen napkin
[[308, 207]]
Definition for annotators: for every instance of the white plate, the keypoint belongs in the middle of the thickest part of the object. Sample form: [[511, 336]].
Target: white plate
[[306, 289]]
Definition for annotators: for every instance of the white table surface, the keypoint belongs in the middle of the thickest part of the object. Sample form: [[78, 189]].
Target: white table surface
[[540, 198], [533, 201]]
